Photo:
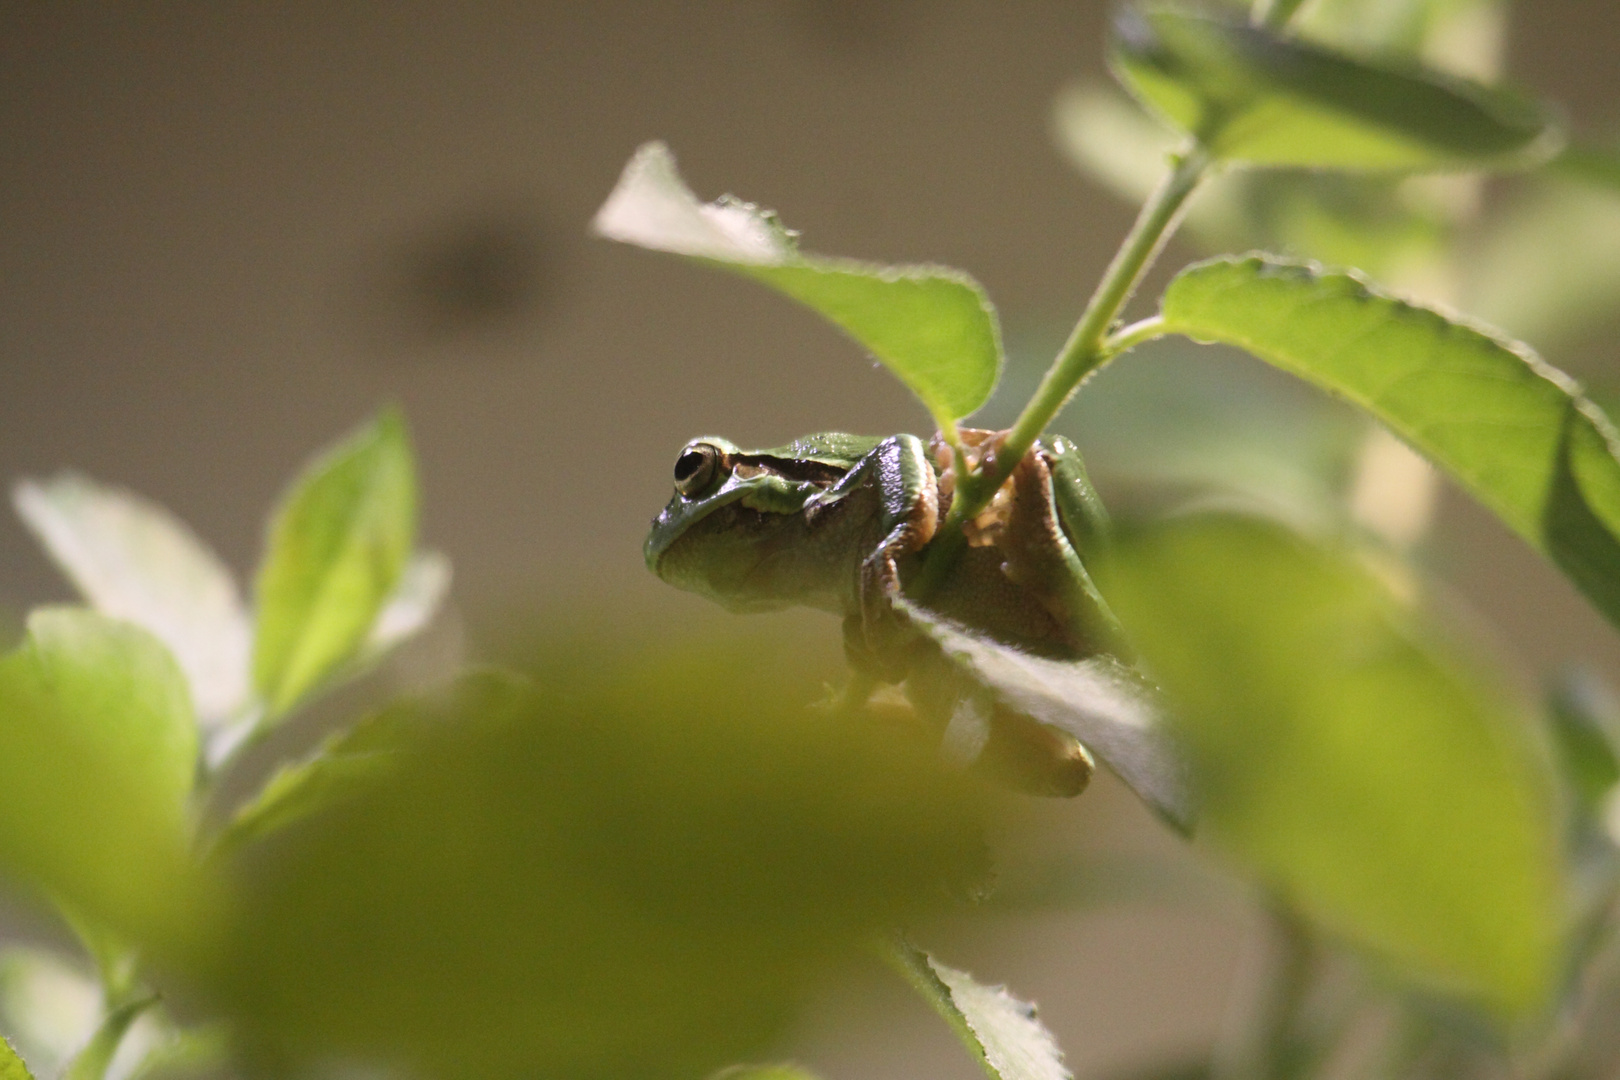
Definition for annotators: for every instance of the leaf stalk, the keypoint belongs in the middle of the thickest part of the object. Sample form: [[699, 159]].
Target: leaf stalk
[[1087, 348]]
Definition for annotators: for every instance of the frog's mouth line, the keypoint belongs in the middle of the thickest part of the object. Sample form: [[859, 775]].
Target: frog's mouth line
[[681, 513]]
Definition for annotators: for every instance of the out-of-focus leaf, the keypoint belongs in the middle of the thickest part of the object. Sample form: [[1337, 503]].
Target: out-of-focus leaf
[[340, 768], [1113, 711], [1106, 136], [1001, 1031], [1259, 99], [133, 560], [930, 325], [337, 549], [99, 752], [12, 1066], [1385, 789], [1597, 165], [1586, 734], [1460, 37], [1513, 430], [638, 873], [1548, 270], [421, 589]]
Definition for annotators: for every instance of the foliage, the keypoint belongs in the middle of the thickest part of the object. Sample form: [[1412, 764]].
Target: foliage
[[638, 862]]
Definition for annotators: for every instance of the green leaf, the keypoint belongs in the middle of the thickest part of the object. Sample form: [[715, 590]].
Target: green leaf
[[638, 874], [1112, 710], [12, 1066], [1513, 430], [422, 588], [131, 559], [930, 325], [338, 547], [339, 769], [1382, 786], [1001, 1031], [100, 750], [1259, 99]]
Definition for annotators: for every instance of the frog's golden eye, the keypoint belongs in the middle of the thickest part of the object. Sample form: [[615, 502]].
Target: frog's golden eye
[[695, 469]]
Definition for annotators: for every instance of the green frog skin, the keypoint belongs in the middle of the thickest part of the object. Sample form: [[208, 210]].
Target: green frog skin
[[835, 521]]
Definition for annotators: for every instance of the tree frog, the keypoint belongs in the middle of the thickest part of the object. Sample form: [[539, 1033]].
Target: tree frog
[[835, 521]]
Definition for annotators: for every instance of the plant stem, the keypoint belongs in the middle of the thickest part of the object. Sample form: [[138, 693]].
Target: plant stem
[[91, 1062], [1129, 337], [1082, 354], [912, 965], [1268, 1044]]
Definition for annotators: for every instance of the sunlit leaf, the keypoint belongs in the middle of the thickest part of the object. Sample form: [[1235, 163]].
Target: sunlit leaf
[[1001, 1031], [133, 560], [338, 547], [1379, 784], [100, 749], [1112, 710], [930, 325], [1513, 430], [12, 1066], [638, 874], [422, 588], [1256, 98]]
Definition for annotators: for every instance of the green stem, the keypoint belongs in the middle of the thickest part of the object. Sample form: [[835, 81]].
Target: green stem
[[1269, 1046], [91, 1062], [1082, 354], [1129, 337], [913, 966]]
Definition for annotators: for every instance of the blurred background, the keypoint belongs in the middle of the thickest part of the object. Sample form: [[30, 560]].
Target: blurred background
[[230, 232]]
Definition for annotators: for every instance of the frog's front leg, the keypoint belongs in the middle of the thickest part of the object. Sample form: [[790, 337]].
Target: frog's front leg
[[898, 471]]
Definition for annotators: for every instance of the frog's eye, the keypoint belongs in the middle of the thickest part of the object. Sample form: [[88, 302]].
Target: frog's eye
[[695, 469]]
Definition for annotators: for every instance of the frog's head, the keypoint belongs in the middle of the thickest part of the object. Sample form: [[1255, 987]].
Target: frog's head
[[736, 519]]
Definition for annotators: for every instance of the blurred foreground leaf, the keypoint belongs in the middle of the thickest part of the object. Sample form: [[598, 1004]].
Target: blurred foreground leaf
[[1260, 99], [133, 560], [637, 872], [930, 325], [1384, 789], [338, 547], [99, 752], [1002, 1032], [1515, 431], [343, 765]]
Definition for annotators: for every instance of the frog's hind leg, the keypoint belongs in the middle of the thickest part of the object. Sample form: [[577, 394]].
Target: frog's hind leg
[[1084, 524]]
